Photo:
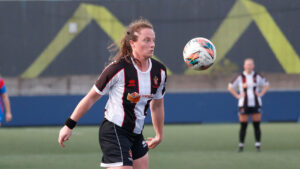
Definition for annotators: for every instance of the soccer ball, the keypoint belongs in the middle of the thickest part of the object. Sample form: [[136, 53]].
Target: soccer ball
[[199, 53]]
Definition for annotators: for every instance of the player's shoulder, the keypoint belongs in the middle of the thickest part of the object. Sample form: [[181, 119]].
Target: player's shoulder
[[236, 77], [259, 74], [115, 66], [158, 65]]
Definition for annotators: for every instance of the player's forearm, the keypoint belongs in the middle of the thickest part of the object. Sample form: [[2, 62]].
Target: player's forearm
[[157, 112], [6, 103], [233, 92], [158, 124], [83, 106], [265, 89]]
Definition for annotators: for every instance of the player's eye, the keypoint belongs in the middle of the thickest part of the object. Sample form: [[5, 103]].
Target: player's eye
[[147, 40]]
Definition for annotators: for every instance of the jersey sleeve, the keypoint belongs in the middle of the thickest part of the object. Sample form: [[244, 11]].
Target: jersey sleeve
[[162, 87], [2, 86], [262, 81], [107, 79], [235, 82]]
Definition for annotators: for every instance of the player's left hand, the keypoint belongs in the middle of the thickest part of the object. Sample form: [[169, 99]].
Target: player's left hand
[[153, 142]]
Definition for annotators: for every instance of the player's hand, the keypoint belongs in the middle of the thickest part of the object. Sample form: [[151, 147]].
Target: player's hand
[[8, 116], [241, 95], [153, 142], [259, 94], [64, 135]]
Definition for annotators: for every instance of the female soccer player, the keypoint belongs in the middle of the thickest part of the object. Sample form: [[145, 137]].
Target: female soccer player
[[134, 81], [5, 99], [251, 86]]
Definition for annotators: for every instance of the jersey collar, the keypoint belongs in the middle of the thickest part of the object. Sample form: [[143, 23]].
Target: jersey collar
[[251, 74], [137, 68]]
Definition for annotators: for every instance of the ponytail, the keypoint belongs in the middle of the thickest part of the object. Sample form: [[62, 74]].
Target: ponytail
[[125, 51]]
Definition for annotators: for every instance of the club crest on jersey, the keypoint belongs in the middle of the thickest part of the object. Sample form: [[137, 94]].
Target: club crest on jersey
[[155, 81], [133, 97], [131, 83]]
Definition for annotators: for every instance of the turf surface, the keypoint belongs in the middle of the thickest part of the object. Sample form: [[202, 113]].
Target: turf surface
[[209, 146]]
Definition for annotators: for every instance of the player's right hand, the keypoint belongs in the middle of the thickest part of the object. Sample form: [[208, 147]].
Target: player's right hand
[[64, 135]]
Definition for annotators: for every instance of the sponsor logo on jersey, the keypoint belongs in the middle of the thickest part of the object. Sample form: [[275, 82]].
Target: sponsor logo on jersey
[[131, 83], [133, 97], [147, 96]]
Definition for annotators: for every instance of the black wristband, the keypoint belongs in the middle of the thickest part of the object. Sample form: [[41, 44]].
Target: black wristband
[[70, 123]]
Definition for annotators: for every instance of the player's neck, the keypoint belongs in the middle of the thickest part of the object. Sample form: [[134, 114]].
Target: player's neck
[[142, 63], [249, 72]]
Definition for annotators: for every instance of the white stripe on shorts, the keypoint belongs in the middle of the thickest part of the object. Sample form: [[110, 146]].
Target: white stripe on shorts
[[111, 164]]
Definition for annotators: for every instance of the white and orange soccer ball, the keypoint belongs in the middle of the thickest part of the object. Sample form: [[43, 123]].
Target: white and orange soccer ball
[[199, 53]]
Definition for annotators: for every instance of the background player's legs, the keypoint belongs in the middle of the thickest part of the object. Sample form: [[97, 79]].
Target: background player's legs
[[242, 134], [141, 163], [256, 118]]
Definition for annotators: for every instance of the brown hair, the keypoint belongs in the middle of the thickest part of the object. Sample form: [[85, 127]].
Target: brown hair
[[249, 59], [125, 50]]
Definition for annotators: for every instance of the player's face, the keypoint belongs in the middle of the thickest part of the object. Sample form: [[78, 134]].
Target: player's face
[[249, 66], [144, 46]]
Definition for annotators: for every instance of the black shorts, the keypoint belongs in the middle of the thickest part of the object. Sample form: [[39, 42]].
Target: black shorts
[[120, 147], [249, 110]]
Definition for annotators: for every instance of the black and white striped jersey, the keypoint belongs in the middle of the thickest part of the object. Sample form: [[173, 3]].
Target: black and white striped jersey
[[130, 92], [248, 84]]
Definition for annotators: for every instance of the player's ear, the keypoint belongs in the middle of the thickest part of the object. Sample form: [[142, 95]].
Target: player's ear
[[131, 42]]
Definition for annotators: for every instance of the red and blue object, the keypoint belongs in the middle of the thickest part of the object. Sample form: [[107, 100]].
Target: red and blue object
[[2, 91]]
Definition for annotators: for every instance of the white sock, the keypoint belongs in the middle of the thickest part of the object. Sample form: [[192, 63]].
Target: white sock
[[257, 144], [241, 145]]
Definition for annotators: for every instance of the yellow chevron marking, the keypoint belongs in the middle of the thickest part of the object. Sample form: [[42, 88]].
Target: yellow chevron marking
[[82, 16], [109, 23], [61, 41], [283, 50]]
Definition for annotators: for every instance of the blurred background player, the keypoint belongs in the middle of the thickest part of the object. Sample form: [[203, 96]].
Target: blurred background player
[[134, 81], [251, 86], [4, 99]]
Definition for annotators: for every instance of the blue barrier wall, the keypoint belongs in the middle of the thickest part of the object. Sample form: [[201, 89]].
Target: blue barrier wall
[[207, 107]]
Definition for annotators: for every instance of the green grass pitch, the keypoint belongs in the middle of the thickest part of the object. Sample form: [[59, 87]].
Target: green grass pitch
[[206, 146]]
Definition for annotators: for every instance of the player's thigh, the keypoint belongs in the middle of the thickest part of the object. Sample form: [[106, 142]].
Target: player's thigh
[[141, 163], [256, 117], [243, 117]]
